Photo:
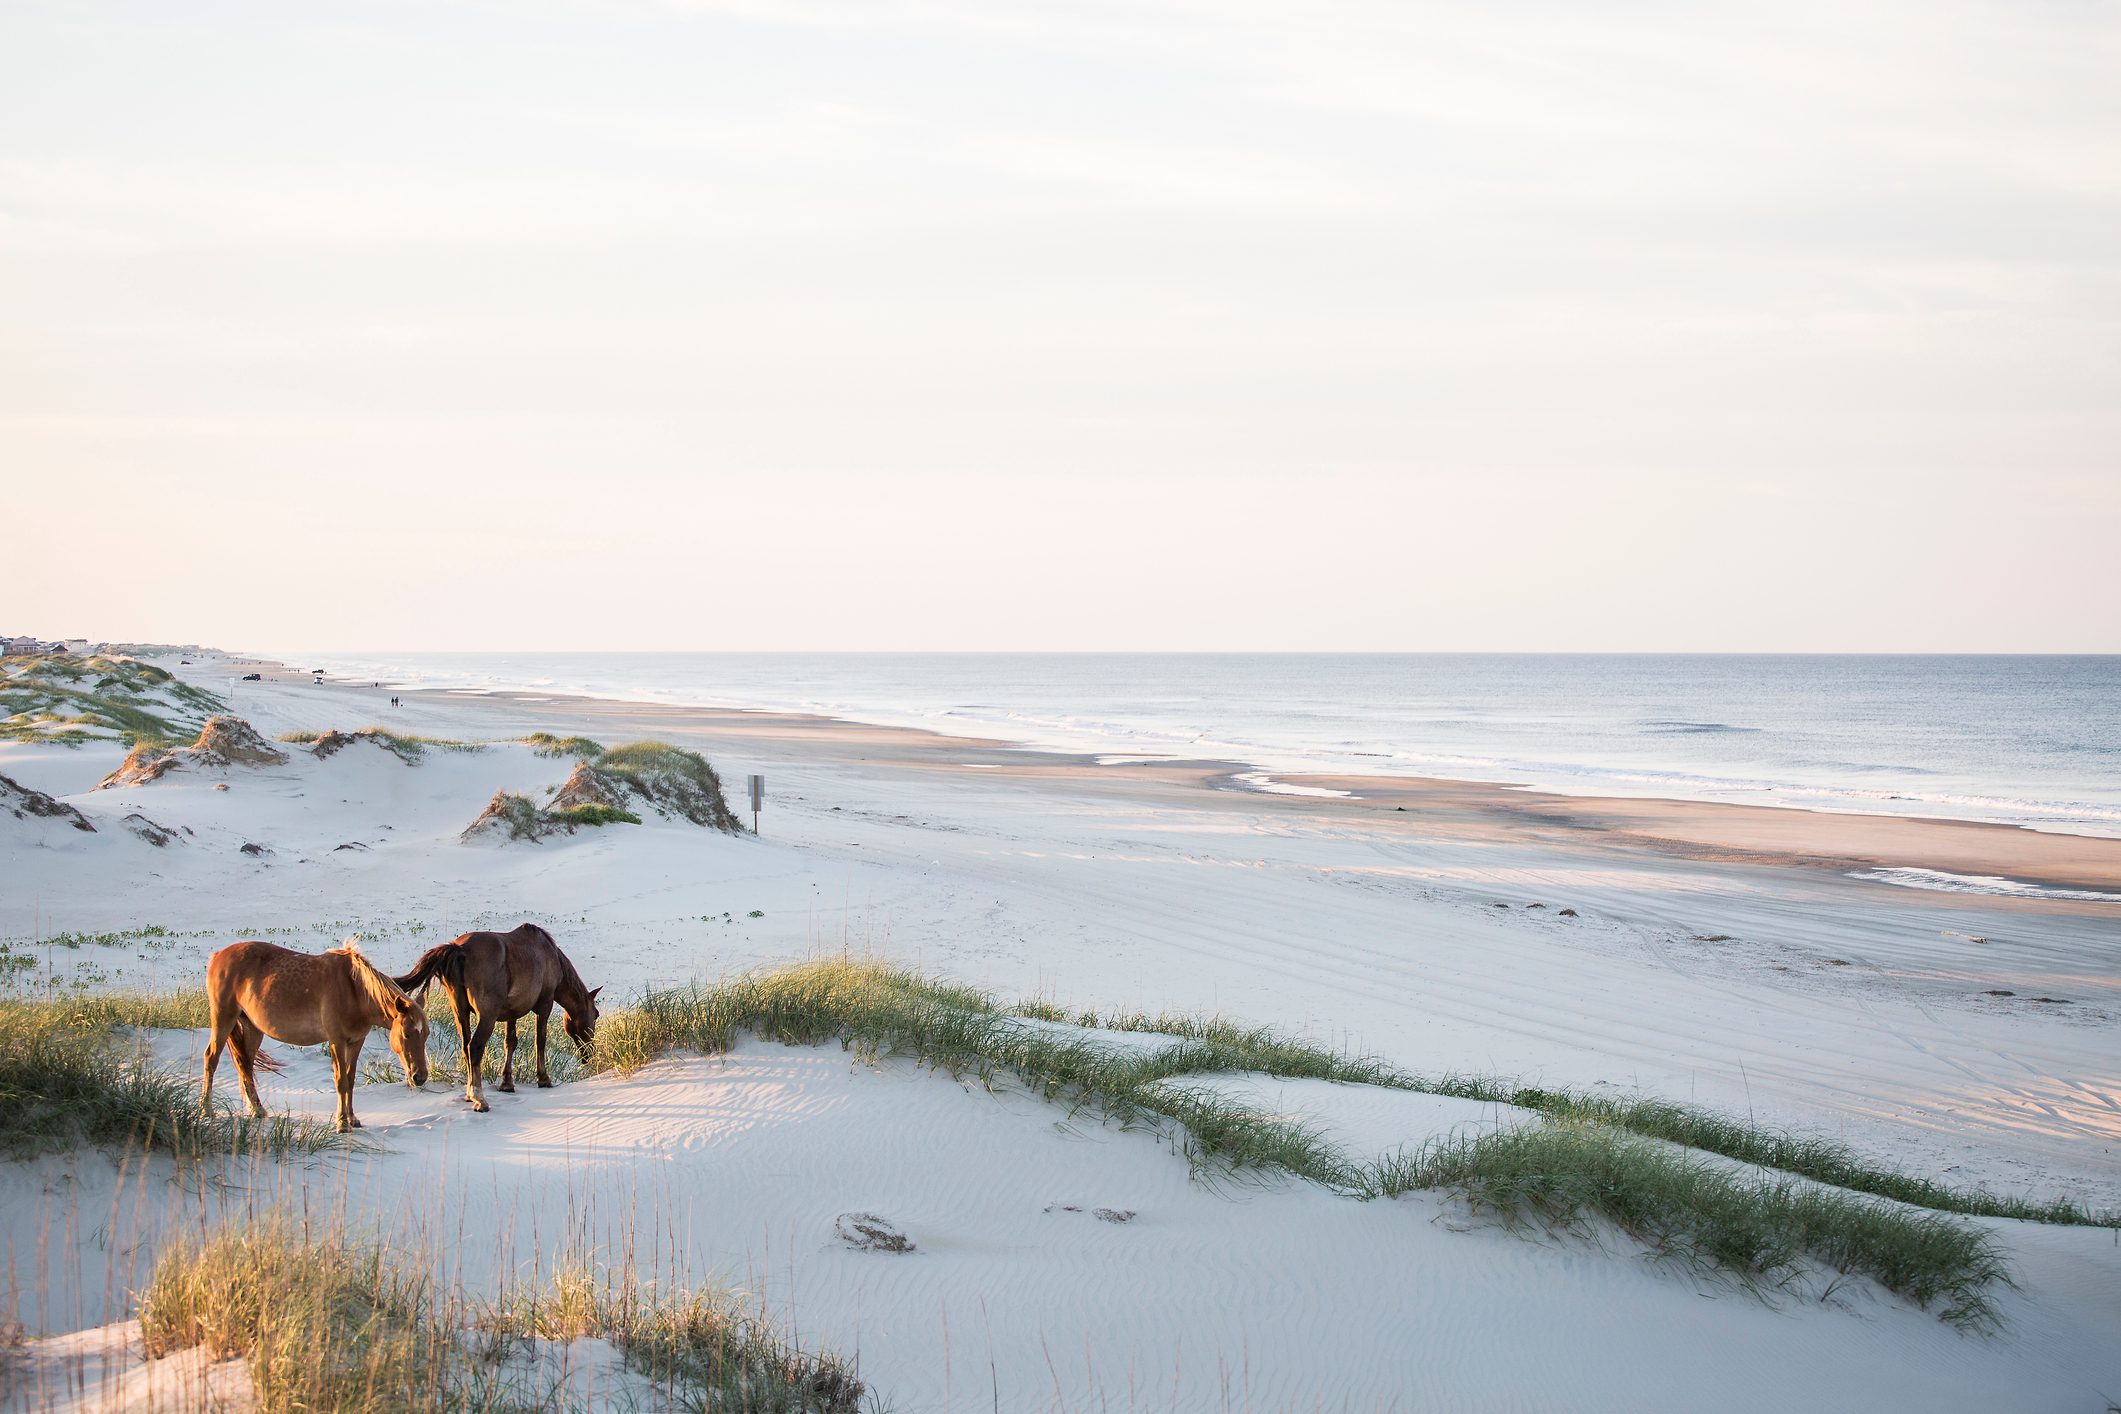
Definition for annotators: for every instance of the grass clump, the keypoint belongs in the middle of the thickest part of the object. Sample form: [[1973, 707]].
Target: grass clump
[[581, 748], [322, 1324], [1805, 1155], [673, 780], [68, 1077], [1761, 1229], [593, 814], [325, 1322], [412, 747], [518, 815]]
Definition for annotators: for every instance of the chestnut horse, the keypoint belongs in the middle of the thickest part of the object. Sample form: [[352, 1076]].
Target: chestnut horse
[[504, 977], [336, 998]]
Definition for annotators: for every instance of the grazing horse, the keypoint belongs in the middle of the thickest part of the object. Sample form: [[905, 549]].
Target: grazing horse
[[503, 977], [336, 998]]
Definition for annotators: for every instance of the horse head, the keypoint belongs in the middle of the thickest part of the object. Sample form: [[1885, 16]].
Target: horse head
[[581, 1023], [408, 1037]]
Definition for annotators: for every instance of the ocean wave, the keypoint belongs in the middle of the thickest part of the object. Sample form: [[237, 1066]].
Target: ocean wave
[[1693, 728], [1992, 884]]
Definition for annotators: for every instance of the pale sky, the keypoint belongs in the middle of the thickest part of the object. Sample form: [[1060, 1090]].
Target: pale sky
[[1151, 324]]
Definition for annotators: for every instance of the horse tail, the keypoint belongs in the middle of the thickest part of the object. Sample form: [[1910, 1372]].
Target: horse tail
[[444, 961]]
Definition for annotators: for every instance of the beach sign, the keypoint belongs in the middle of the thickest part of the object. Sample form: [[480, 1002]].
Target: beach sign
[[758, 798]]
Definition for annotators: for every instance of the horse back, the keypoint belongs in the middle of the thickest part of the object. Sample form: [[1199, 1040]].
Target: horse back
[[301, 998]]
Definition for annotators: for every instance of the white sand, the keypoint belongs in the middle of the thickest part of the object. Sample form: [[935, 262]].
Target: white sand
[[1249, 1296]]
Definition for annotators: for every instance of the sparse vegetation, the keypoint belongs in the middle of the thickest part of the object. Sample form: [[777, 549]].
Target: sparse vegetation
[[1814, 1157], [581, 748], [673, 780], [1563, 1171], [1805, 1155], [327, 1322], [71, 700], [408, 747], [1642, 1166], [1681, 1206], [517, 814], [593, 814], [605, 788], [67, 1077]]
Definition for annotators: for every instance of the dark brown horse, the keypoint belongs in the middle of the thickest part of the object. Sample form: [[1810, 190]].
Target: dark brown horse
[[504, 977], [335, 999]]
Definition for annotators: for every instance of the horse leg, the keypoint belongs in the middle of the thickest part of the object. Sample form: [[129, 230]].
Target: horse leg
[[461, 1003], [225, 1020], [474, 1060], [244, 1039], [508, 1056], [345, 1064], [544, 1076]]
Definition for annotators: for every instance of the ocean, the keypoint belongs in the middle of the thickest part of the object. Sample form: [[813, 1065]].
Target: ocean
[[2027, 740]]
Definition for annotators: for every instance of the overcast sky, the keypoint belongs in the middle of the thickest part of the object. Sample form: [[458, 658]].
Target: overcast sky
[[982, 324]]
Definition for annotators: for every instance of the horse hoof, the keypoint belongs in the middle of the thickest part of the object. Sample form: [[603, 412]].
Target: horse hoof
[[480, 1106], [343, 1126], [545, 1083], [508, 1089]]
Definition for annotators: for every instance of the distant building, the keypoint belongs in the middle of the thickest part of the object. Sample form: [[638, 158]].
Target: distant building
[[22, 645]]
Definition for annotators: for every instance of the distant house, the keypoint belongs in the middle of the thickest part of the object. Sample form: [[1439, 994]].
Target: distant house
[[22, 645]]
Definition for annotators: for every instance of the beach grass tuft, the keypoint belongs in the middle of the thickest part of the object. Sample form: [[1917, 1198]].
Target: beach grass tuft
[[1809, 1156], [1760, 1228], [581, 748], [593, 813], [325, 1321], [70, 1075]]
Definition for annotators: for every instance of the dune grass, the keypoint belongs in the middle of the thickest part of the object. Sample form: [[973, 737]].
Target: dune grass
[[674, 780], [1760, 1229], [328, 1322], [591, 813], [581, 748], [1810, 1156], [1806, 1155], [51, 698], [407, 746], [519, 814], [1589, 1158], [413, 746], [69, 1076]]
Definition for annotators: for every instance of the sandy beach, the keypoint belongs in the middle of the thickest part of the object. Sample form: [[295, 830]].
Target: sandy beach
[[1722, 956]]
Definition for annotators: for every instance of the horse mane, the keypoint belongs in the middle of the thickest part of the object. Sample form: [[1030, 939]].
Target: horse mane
[[381, 987]]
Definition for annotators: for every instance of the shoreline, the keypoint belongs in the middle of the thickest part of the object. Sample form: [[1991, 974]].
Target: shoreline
[[1609, 766], [1848, 843]]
